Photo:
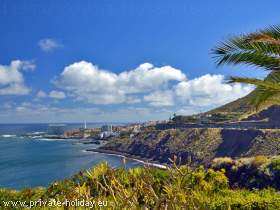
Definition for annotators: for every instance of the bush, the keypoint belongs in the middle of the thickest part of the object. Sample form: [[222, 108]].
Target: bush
[[259, 161], [275, 165], [222, 161], [151, 188]]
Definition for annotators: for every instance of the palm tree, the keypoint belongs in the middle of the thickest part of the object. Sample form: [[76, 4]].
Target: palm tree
[[259, 49]]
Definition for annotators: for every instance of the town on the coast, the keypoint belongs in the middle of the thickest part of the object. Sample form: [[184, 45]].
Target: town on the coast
[[266, 119]]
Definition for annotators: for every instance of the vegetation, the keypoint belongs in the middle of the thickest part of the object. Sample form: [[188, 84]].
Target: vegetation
[[195, 146], [184, 119], [148, 188], [238, 107], [250, 173], [248, 183], [260, 49], [215, 117], [223, 117]]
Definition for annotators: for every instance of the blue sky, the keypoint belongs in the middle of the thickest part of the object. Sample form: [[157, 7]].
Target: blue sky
[[70, 61]]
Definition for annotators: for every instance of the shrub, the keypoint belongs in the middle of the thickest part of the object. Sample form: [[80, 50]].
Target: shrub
[[151, 188], [259, 161], [275, 165], [222, 162]]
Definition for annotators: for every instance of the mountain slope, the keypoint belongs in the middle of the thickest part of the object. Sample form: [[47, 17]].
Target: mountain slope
[[241, 105], [197, 145], [271, 114]]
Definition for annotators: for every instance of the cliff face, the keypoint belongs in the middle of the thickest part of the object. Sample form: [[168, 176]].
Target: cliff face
[[198, 145]]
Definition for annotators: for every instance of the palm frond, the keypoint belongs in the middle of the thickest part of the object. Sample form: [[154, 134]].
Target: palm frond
[[265, 84], [272, 31], [249, 58], [261, 49], [263, 97], [267, 91], [240, 44]]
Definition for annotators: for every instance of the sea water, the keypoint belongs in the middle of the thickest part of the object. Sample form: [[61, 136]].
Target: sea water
[[26, 162]]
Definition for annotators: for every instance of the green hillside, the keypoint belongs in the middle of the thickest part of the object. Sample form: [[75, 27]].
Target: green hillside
[[239, 109], [241, 105]]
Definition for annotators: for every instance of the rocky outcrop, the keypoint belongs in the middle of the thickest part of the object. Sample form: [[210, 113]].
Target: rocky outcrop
[[198, 145]]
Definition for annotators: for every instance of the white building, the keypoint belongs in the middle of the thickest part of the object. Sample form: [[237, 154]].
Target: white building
[[107, 128], [107, 131]]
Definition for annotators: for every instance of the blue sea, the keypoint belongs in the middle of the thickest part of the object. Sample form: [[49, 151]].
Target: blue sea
[[26, 162]]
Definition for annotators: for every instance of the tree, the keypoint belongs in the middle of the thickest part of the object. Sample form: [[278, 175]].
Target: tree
[[259, 49]]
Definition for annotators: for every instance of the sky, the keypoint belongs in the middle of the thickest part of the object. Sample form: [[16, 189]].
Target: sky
[[120, 61]]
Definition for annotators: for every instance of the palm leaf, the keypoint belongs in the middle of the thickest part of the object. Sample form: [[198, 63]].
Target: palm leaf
[[250, 58], [264, 84], [244, 44], [261, 49], [267, 91], [272, 31]]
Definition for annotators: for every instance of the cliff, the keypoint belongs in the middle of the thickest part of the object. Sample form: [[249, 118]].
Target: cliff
[[198, 145]]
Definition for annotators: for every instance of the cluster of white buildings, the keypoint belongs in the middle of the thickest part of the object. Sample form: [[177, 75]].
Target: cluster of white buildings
[[107, 131]]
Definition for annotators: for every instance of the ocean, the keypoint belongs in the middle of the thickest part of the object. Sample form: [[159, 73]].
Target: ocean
[[26, 162]]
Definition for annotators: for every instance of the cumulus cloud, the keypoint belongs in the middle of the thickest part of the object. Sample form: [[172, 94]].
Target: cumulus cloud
[[12, 79], [88, 82], [42, 94], [53, 94], [205, 91], [209, 90], [57, 94], [48, 45], [156, 86], [160, 98]]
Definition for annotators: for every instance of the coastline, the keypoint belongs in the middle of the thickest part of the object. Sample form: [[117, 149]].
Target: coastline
[[128, 156]]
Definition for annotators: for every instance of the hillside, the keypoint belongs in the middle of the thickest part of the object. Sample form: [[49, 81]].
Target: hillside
[[240, 109], [243, 108], [271, 114], [241, 105], [232, 111], [197, 145]]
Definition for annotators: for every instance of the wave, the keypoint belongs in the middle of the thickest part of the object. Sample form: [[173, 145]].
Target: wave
[[46, 139], [37, 133], [86, 151], [8, 136]]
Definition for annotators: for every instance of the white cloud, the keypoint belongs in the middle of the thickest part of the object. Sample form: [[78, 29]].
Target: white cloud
[[53, 94], [12, 79], [197, 94], [155, 92], [49, 45], [155, 86], [160, 98], [42, 94], [37, 112], [209, 90], [7, 105], [57, 94], [146, 77], [87, 82]]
